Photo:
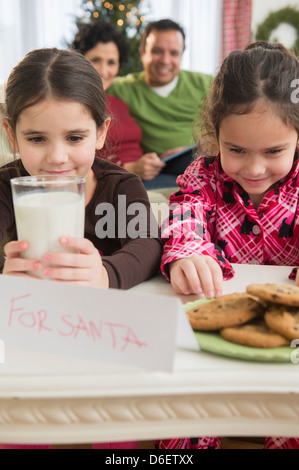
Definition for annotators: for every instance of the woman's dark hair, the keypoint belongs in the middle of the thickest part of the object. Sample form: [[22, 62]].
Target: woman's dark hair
[[53, 73], [262, 71], [89, 35]]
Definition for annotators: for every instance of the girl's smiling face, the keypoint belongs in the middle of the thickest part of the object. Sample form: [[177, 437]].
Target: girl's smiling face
[[58, 138], [257, 149]]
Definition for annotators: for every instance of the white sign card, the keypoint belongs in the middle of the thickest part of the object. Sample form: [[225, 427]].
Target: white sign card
[[104, 325]]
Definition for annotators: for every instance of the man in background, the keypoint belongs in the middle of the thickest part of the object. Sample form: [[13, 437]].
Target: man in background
[[163, 99]]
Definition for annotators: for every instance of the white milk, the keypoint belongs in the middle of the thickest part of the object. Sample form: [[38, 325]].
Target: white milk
[[43, 218]]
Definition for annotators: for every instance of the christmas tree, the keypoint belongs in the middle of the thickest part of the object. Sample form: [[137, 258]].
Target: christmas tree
[[128, 16]]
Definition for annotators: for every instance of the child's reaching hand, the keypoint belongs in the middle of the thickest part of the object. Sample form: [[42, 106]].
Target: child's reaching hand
[[84, 266], [196, 275]]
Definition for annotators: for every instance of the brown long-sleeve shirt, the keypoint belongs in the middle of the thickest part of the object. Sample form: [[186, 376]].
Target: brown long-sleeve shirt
[[118, 221]]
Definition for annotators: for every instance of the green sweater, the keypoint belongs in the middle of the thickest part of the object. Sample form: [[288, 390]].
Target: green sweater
[[166, 123]]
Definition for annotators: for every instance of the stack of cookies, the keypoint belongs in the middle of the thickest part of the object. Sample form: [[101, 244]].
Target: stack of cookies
[[265, 316]]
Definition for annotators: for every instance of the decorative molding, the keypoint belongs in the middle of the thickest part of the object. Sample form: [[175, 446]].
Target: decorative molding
[[104, 419]]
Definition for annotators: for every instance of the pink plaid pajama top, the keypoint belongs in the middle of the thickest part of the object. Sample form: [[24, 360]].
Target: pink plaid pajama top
[[212, 215]]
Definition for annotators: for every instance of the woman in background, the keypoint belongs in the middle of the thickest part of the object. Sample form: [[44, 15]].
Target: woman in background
[[106, 49]]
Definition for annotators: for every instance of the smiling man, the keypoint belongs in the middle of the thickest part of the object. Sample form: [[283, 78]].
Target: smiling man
[[161, 54], [162, 98]]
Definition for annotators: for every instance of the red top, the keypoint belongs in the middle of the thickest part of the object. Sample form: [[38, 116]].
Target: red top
[[124, 135]]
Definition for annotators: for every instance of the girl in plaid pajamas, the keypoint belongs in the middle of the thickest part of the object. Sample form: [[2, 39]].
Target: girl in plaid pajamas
[[240, 206]]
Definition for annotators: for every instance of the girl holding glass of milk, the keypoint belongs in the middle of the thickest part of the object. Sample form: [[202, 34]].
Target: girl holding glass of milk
[[56, 120]]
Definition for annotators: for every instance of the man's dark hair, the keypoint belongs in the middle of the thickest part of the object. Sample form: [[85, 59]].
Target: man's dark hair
[[161, 25]]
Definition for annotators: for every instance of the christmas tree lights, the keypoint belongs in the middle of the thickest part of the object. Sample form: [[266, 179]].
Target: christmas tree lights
[[129, 17]]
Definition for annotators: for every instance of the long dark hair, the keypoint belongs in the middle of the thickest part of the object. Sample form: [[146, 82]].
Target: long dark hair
[[262, 71]]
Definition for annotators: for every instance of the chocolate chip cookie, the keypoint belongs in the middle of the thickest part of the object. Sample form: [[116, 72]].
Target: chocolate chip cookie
[[284, 320], [255, 333], [278, 294], [228, 310]]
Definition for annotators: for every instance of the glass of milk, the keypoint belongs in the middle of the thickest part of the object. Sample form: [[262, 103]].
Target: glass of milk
[[47, 208]]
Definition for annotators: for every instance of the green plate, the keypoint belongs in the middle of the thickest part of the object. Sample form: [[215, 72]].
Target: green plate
[[212, 342]]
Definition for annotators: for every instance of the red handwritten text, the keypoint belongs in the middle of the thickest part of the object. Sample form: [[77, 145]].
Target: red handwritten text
[[119, 336], [28, 319]]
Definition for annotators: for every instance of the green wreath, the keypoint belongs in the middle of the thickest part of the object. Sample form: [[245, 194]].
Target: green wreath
[[287, 15]]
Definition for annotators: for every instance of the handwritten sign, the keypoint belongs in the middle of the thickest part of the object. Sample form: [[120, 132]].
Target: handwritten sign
[[95, 324]]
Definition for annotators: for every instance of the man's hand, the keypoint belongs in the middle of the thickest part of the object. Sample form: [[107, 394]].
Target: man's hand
[[147, 167], [170, 152]]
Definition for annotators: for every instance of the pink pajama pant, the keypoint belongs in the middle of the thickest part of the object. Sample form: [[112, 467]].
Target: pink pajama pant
[[215, 443], [183, 443]]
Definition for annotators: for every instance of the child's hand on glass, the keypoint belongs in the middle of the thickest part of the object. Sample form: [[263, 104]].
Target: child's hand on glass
[[15, 265], [84, 266], [196, 275]]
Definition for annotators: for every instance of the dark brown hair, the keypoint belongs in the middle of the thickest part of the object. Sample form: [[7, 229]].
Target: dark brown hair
[[89, 35], [64, 75], [262, 71], [161, 25]]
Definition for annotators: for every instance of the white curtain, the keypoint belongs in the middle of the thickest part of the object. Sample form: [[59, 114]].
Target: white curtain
[[202, 21], [31, 24]]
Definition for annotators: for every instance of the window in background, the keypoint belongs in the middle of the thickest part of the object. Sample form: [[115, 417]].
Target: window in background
[[10, 36], [31, 24]]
